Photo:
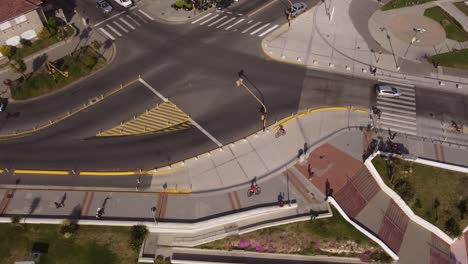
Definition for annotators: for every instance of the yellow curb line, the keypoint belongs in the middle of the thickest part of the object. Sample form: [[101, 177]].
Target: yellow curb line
[[1, 171], [52, 172], [316, 110], [127, 173], [174, 191], [27, 132]]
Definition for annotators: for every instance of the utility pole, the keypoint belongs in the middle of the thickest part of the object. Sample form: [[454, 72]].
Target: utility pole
[[263, 109]]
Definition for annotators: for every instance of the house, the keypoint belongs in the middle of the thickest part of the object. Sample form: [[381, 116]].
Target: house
[[20, 19]]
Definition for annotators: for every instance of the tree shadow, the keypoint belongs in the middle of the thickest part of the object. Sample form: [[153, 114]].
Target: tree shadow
[[39, 61]]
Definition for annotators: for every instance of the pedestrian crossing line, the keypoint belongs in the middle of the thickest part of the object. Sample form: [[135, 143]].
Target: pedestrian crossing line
[[249, 28], [412, 118], [239, 21], [126, 23], [397, 120], [209, 19], [146, 14], [397, 105], [113, 29], [166, 117], [106, 33], [109, 18], [217, 21], [394, 129], [139, 17], [134, 21], [120, 26], [406, 89], [226, 22], [269, 30], [260, 28], [397, 110], [201, 18], [406, 95], [392, 124], [396, 101]]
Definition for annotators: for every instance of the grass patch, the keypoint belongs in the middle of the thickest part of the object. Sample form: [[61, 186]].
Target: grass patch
[[79, 64], [104, 245], [403, 3], [314, 237], [453, 29], [453, 59], [40, 44], [437, 193], [462, 6]]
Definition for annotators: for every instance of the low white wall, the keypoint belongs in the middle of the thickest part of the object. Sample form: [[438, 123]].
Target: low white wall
[[441, 165], [401, 203], [362, 230]]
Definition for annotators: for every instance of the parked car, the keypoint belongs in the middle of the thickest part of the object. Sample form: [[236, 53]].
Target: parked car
[[297, 9], [124, 3], [386, 90], [104, 6]]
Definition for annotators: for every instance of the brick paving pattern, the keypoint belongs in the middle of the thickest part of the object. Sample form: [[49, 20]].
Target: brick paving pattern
[[440, 251], [394, 226]]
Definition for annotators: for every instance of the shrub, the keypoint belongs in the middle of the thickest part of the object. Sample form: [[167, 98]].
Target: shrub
[[137, 236], [90, 60], [44, 33], [452, 227], [179, 3], [7, 50], [462, 208], [404, 188], [18, 65], [52, 22], [61, 33], [67, 228], [25, 42]]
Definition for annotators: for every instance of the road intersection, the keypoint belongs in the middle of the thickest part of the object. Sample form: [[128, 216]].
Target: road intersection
[[193, 67]]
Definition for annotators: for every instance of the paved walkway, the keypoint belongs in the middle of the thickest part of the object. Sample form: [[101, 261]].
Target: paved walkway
[[352, 41], [449, 7]]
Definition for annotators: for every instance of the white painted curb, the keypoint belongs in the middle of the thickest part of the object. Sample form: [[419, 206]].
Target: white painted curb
[[401, 203]]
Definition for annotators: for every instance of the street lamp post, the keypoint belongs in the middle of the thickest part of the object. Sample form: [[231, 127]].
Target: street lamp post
[[263, 109]]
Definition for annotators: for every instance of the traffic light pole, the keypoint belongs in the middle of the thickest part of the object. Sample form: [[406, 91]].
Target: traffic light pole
[[264, 109]]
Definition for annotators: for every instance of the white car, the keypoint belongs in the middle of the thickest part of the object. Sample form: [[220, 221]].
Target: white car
[[124, 3], [386, 90]]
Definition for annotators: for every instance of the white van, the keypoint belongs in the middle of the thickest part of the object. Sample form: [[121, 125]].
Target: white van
[[124, 3]]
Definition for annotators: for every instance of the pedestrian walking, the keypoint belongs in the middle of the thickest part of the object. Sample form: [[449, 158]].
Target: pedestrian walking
[[99, 213], [309, 171], [138, 183]]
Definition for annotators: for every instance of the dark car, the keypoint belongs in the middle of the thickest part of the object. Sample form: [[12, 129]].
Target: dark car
[[104, 6]]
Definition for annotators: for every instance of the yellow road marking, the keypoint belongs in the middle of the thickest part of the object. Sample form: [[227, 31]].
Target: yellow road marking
[[261, 8], [1, 171], [50, 172], [111, 173]]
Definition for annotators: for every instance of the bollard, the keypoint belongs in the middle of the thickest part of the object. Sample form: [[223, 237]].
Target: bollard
[[441, 83], [364, 70], [315, 62], [299, 59], [331, 65], [283, 57], [459, 86], [348, 68]]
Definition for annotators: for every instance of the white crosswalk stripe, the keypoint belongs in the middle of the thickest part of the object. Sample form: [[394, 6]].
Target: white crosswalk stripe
[[120, 26], [268, 30], [107, 33], [146, 15], [249, 28], [239, 21], [226, 22], [114, 30], [209, 19], [399, 114], [217, 21], [201, 18], [126, 23], [133, 20], [260, 28]]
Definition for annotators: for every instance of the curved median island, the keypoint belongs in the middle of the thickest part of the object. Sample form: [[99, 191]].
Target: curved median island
[[58, 74], [332, 236], [435, 194]]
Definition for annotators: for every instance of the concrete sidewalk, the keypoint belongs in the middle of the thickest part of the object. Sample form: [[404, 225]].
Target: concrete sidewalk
[[330, 39], [449, 7]]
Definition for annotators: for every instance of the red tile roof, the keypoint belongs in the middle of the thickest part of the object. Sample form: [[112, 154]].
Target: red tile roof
[[13, 8]]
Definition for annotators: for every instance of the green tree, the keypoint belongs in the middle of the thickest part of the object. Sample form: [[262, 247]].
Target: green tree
[[90, 60], [7, 51], [44, 33], [452, 227], [404, 188], [462, 208], [25, 42], [52, 22], [137, 236]]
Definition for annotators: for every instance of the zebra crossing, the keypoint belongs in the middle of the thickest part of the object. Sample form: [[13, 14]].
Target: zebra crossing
[[234, 22], [123, 23], [399, 114]]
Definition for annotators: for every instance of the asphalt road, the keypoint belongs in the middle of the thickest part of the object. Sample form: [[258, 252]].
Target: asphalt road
[[196, 67]]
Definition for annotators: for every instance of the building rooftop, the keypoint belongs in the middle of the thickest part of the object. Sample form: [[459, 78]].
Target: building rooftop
[[13, 8]]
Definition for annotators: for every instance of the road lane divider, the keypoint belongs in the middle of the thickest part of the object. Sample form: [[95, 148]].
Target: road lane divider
[[44, 172], [261, 8]]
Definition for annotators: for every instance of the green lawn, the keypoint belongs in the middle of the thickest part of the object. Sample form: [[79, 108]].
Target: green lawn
[[40, 82], [307, 238], [462, 6], [103, 245], [428, 184], [453, 29], [454, 59], [403, 3], [40, 44]]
